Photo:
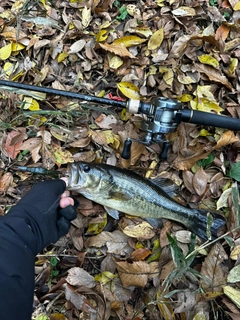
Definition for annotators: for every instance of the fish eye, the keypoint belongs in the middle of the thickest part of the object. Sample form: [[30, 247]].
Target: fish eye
[[86, 168]]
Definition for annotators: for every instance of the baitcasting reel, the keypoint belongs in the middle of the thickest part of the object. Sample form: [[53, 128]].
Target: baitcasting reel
[[164, 115]]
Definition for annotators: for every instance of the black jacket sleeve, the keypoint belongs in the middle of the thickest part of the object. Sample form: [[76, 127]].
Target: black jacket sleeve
[[35, 222], [18, 246]]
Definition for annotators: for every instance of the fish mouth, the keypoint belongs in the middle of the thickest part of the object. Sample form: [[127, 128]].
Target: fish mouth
[[73, 174]]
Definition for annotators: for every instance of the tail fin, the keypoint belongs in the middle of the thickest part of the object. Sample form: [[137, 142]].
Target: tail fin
[[201, 224]]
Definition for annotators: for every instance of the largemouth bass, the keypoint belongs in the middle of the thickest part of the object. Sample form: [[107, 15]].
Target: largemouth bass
[[123, 190]]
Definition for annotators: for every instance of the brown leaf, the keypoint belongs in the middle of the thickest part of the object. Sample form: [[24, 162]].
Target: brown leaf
[[6, 181], [140, 254], [213, 75], [118, 49], [187, 179], [133, 274], [227, 137], [79, 300], [222, 32], [200, 180], [80, 277], [13, 142], [105, 122], [213, 269]]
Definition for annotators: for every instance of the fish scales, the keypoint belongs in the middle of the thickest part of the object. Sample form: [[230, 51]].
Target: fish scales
[[123, 190]]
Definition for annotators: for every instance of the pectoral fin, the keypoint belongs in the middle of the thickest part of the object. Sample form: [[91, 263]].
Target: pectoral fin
[[112, 212]]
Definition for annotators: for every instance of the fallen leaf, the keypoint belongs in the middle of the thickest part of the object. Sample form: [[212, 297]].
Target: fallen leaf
[[86, 17], [133, 274], [184, 11], [6, 181], [129, 41], [223, 200], [118, 49], [213, 269], [79, 277], [156, 39], [213, 75], [14, 141], [200, 181], [5, 52], [143, 230], [129, 90], [208, 59], [226, 138], [233, 294], [222, 32]]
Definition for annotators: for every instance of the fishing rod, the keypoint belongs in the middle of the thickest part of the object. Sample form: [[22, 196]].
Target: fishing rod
[[163, 115]]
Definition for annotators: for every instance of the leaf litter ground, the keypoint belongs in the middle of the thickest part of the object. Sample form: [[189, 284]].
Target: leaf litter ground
[[185, 50]]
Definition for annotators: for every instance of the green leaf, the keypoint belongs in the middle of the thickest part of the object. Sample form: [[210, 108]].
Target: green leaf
[[123, 13], [53, 261], [235, 171], [177, 254], [205, 162], [235, 197]]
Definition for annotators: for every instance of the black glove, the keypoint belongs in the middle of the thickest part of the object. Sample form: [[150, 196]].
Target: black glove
[[40, 209]]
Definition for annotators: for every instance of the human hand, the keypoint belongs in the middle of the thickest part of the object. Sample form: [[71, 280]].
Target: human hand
[[51, 206]]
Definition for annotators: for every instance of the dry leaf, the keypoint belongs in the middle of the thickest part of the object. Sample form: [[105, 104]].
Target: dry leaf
[[118, 49], [156, 39], [222, 32], [213, 75], [200, 181], [142, 231], [6, 181], [133, 274], [226, 138], [184, 11], [129, 41], [80, 277], [213, 269]]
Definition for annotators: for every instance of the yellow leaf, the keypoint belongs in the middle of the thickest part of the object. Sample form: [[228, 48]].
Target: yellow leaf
[[234, 255], [62, 56], [62, 156], [233, 65], [5, 52], [104, 277], [145, 31], [156, 39], [204, 133], [118, 49], [205, 105], [208, 59], [167, 75], [185, 97], [129, 41], [233, 294], [114, 61], [30, 103], [17, 46], [129, 90], [237, 6], [8, 68], [204, 92], [143, 230], [102, 35], [86, 16], [96, 225]]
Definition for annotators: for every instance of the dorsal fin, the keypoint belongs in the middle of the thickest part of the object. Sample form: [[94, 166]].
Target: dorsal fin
[[168, 186]]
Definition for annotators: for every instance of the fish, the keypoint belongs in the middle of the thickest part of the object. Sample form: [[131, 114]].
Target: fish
[[122, 190]]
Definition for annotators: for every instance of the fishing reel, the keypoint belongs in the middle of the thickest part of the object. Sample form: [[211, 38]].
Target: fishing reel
[[164, 115]]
